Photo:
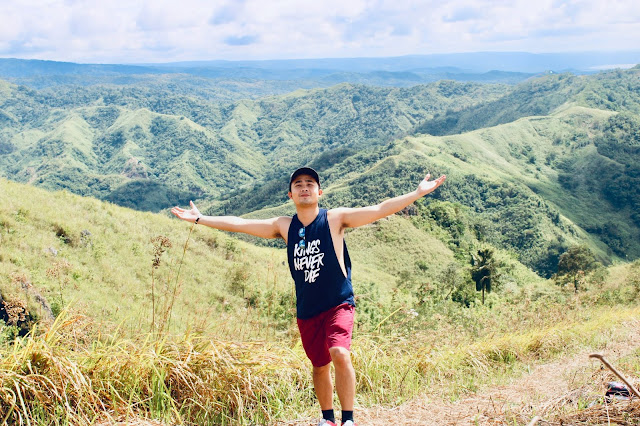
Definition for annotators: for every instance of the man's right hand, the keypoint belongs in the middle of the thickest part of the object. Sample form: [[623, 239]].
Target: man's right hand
[[188, 215]]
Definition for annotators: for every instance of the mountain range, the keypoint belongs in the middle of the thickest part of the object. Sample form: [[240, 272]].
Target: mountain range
[[533, 167]]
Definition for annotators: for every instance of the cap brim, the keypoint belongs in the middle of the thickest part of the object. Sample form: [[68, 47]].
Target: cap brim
[[304, 171]]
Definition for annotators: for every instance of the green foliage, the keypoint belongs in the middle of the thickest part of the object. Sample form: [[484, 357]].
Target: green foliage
[[238, 279], [620, 142], [574, 265], [56, 308], [614, 161], [634, 278], [449, 216], [616, 90], [502, 214], [371, 309], [149, 195], [450, 280], [8, 333]]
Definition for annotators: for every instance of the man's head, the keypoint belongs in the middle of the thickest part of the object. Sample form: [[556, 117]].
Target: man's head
[[304, 171], [304, 187]]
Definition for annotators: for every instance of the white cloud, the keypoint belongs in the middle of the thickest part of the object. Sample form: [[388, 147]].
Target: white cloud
[[164, 30]]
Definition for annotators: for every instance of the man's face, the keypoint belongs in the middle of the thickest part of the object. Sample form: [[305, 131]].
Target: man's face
[[304, 190]]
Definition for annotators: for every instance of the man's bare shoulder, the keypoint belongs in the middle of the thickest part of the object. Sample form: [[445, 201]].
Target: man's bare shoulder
[[336, 217], [283, 223], [283, 220], [338, 211]]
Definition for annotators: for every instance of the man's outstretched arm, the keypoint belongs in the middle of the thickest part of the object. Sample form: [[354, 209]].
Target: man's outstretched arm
[[354, 217], [275, 227]]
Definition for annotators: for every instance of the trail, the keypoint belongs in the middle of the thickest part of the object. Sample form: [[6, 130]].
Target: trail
[[537, 393]]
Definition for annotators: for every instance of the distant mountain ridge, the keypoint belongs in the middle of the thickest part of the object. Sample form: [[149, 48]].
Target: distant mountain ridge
[[477, 62], [285, 75], [273, 79], [454, 63]]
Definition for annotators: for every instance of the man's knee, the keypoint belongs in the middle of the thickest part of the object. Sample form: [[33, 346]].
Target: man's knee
[[340, 356], [321, 370]]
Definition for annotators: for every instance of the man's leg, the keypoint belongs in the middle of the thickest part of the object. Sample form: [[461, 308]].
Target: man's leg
[[323, 386], [315, 345], [345, 376]]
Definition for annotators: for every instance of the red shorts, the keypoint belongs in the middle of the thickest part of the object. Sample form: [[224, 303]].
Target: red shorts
[[326, 330]]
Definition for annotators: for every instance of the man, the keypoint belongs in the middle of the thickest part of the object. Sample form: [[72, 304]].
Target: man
[[321, 268]]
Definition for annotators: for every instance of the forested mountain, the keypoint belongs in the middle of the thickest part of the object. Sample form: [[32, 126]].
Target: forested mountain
[[146, 148], [229, 81], [560, 171], [613, 91], [533, 168]]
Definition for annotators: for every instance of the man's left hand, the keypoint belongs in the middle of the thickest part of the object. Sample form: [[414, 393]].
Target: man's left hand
[[427, 186]]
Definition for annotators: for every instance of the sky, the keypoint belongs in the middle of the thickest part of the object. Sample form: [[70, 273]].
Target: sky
[[152, 31]]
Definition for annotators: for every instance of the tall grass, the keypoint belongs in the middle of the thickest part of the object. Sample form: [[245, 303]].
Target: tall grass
[[72, 373]]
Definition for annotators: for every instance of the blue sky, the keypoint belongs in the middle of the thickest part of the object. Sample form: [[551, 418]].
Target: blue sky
[[118, 31]]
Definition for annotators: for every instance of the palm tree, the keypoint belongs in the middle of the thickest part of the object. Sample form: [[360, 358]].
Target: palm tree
[[483, 270]]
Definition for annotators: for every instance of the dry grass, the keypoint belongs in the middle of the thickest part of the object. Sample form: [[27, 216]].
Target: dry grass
[[614, 413], [69, 372], [73, 371], [568, 390]]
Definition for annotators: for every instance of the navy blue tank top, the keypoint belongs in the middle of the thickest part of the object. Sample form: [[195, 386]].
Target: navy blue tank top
[[313, 262]]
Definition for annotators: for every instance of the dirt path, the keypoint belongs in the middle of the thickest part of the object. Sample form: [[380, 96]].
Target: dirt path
[[545, 387]]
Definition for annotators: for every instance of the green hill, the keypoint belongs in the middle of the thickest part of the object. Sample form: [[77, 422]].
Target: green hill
[[103, 141], [591, 153], [521, 179], [525, 186], [613, 91]]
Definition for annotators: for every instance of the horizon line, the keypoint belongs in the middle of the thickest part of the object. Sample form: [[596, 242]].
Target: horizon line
[[327, 58]]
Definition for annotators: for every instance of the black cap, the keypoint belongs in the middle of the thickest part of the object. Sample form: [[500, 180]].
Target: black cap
[[304, 171]]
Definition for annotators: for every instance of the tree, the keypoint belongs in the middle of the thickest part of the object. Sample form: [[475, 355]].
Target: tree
[[450, 280], [574, 264], [483, 270]]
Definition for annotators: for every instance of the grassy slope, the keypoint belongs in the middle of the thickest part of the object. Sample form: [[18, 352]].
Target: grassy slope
[[517, 153], [110, 276], [444, 347], [521, 153], [108, 273]]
